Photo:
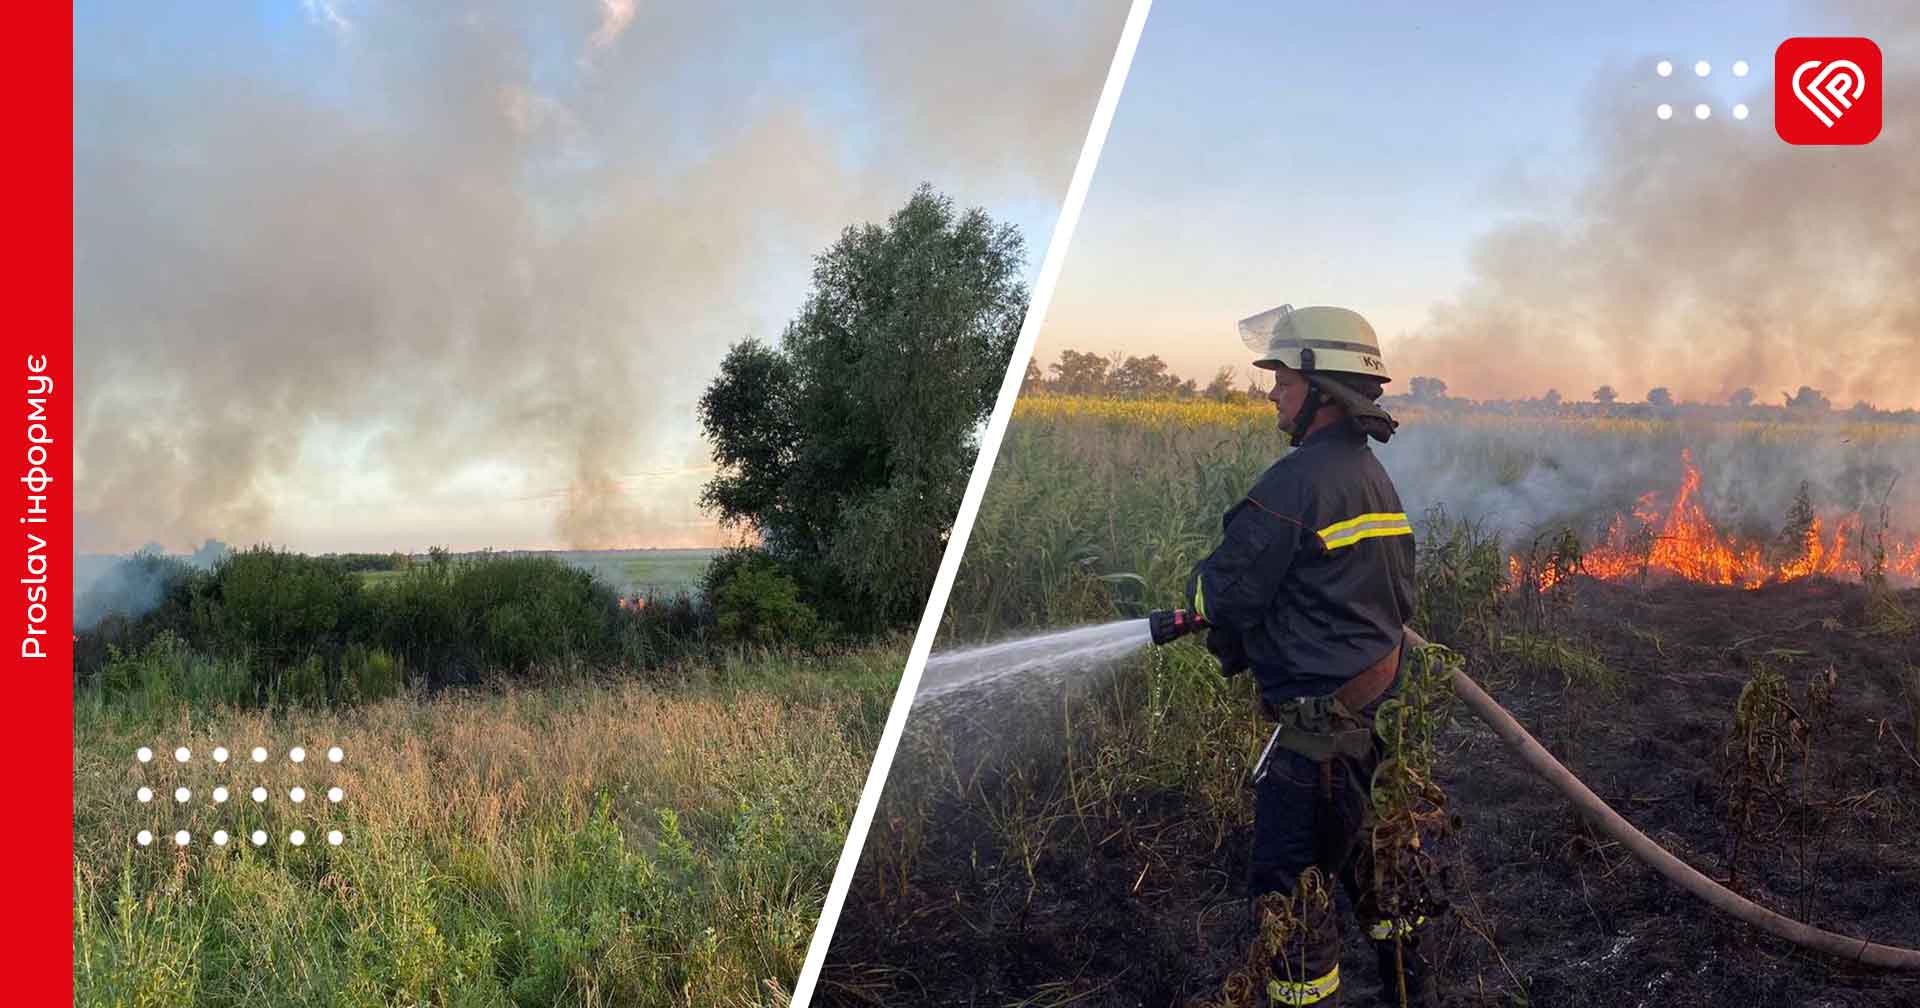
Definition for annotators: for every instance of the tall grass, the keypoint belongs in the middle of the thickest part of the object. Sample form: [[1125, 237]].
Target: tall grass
[[1095, 516], [571, 844]]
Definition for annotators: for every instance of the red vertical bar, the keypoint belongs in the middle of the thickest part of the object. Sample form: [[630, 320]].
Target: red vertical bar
[[36, 440]]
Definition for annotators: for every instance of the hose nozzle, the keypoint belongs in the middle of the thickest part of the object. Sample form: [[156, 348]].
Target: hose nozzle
[[1169, 625]]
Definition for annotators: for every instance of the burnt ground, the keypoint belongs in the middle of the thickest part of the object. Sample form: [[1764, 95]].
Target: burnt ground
[[1548, 912]]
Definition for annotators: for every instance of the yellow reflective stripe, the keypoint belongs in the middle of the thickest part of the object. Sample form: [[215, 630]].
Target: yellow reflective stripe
[[1200, 596], [1366, 526], [1293, 992], [1349, 538], [1394, 928], [1377, 516]]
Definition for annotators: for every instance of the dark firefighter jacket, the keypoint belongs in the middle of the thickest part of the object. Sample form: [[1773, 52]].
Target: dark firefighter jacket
[[1315, 576]]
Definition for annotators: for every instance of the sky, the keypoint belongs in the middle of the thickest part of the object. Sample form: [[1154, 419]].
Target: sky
[[1491, 188], [374, 276]]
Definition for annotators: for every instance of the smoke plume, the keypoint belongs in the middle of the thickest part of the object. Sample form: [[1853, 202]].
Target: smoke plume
[[1521, 480], [507, 242], [1706, 256]]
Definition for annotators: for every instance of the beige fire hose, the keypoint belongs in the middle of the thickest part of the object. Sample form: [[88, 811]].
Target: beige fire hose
[[1677, 871]]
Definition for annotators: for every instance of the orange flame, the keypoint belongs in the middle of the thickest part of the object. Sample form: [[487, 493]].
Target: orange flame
[[1683, 541], [1546, 577]]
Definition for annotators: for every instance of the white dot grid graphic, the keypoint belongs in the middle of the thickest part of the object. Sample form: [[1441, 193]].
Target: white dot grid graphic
[[183, 754], [1702, 111], [220, 837]]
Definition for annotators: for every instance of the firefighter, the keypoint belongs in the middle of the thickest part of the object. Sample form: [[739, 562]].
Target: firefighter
[[1309, 589]]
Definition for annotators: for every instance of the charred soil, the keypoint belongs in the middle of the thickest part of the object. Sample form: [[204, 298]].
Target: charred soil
[[1766, 737]]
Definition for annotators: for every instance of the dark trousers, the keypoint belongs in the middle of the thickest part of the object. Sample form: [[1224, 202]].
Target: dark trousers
[[1314, 815]]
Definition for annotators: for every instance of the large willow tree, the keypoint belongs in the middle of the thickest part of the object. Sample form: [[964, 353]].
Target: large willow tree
[[847, 446]]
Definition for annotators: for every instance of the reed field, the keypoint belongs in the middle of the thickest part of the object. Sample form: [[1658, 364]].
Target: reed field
[[583, 841], [1081, 837]]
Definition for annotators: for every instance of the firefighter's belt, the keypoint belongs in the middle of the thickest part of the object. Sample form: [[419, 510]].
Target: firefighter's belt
[[1322, 727]]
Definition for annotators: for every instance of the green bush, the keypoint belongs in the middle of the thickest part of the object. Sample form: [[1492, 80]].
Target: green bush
[[283, 608], [758, 603], [663, 630], [455, 621], [722, 568], [166, 674], [308, 629], [526, 612], [370, 674], [419, 621]]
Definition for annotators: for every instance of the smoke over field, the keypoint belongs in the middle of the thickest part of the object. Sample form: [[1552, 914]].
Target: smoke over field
[[1729, 487], [1705, 257], [391, 257], [1523, 478]]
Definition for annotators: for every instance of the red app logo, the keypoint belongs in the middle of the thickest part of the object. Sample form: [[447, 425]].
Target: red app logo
[[1827, 91]]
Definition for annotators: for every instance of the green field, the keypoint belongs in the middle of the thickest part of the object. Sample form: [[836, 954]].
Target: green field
[[650, 572], [380, 577], [661, 572]]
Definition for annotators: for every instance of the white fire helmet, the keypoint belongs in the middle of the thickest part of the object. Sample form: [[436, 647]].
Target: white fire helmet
[[1317, 339]]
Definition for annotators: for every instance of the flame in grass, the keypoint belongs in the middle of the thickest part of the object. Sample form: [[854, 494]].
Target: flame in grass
[[1544, 578], [1677, 541], [1682, 541]]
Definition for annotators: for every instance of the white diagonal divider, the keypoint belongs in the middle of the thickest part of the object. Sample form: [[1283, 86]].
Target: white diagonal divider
[[970, 503]]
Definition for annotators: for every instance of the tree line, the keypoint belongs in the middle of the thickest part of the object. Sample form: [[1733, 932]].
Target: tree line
[[1806, 402], [1125, 376]]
